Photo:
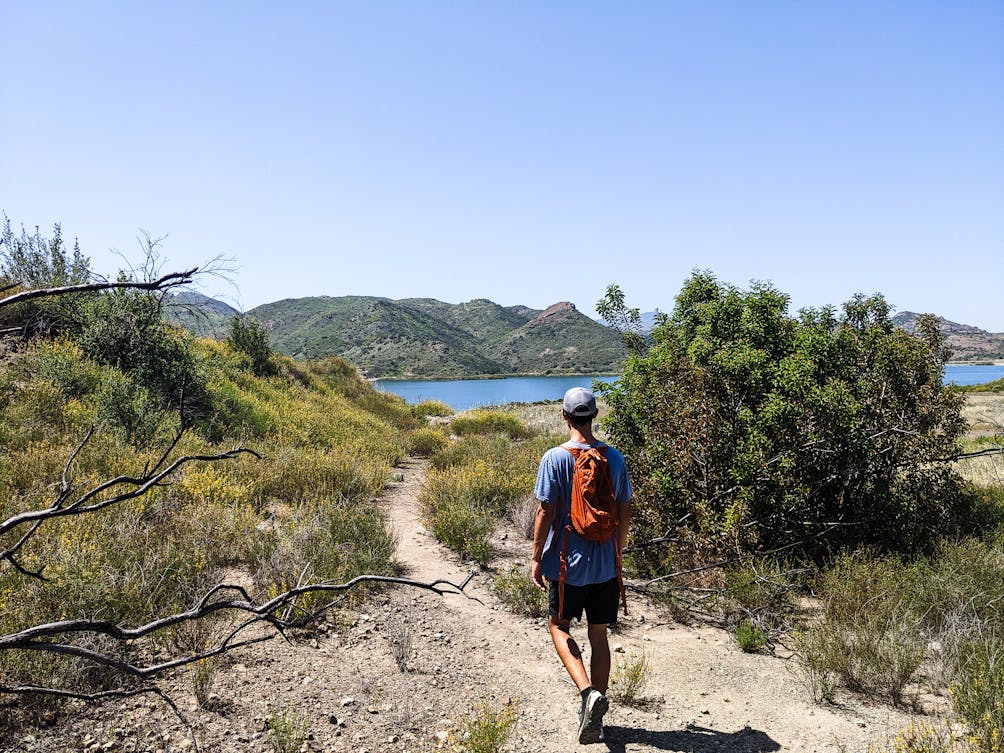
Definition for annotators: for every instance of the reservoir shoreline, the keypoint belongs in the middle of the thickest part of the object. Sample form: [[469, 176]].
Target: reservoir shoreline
[[466, 393]]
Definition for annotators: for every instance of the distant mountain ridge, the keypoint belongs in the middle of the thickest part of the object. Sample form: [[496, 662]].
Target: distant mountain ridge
[[967, 343], [424, 337]]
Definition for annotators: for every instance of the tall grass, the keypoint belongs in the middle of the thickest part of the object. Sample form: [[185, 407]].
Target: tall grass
[[883, 618], [868, 636], [483, 421], [478, 480]]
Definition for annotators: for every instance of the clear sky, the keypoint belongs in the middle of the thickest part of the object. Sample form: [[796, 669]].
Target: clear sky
[[527, 152]]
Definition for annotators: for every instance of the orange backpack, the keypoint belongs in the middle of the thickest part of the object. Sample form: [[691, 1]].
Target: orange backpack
[[594, 513]]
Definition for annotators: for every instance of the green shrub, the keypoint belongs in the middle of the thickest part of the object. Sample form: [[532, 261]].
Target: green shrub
[[995, 386], [758, 429], [475, 481], [61, 363], [124, 329], [426, 441], [868, 634], [428, 408], [629, 677], [123, 404], [249, 338], [203, 674], [763, 594], [496, 449], [328, 542], [965, 576], [923, 738], [489, 422], [305, 510], [462, 503], [749, 637], [463, 525], [519, 593], [486, 731], [35, 261], [978, 690], [490, 488], [287, 731], [312, 473]]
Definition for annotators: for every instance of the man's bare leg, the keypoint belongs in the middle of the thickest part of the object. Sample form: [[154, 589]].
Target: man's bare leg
[[599, 657], [568, 652]]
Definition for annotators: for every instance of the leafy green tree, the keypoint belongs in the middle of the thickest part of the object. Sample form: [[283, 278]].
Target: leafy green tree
[[35, 261], [31, 261], [247, 336], [748, 429], [125, 329]]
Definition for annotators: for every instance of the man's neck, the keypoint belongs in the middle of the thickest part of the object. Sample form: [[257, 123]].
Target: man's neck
[[583, 435]]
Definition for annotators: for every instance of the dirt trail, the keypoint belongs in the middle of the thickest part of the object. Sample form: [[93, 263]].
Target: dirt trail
[[403, 672], [704, 695]]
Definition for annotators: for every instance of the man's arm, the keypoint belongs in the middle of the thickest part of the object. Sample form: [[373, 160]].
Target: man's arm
[[541, 526], [624, 520]]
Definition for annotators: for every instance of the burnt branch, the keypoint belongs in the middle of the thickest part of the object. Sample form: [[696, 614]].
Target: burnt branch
[[272, 615], [164, 282]]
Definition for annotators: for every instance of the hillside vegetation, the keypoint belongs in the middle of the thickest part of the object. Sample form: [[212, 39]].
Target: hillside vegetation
[[423, 337], [199, 314]]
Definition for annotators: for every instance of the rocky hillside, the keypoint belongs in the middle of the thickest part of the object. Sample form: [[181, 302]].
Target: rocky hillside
[[425, 337], [967, 343]]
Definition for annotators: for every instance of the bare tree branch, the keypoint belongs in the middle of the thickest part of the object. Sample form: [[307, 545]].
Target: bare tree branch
[[52, 637], [641, 587], [966, 455], [164, 282]]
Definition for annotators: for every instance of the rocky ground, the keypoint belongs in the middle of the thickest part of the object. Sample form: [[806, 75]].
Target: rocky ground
[[403, 671]]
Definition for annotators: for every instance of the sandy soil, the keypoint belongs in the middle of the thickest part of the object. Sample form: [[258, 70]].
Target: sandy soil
[[457, 653]]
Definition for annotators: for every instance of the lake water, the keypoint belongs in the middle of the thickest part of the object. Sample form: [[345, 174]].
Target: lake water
[[969, 375], [462, 394]]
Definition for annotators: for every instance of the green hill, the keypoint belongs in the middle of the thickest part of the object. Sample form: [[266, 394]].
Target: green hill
[[424, 337], [559, 340], [199, 314]]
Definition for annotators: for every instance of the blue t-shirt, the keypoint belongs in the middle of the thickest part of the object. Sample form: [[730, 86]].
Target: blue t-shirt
[[588, 561]]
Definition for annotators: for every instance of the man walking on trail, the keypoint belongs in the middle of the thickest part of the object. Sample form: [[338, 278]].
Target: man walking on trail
[[591, 568]]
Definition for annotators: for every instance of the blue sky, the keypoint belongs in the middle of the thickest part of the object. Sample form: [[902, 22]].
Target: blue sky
[[527, 152]]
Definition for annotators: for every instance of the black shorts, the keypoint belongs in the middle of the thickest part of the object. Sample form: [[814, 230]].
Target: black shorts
[[599, 600]]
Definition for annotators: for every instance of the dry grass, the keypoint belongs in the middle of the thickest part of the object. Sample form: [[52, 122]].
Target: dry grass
[[984, 412], [546, 418]]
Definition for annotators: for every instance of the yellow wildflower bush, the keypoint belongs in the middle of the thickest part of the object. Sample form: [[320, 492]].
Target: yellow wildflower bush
[[924, 737], [327, 442]]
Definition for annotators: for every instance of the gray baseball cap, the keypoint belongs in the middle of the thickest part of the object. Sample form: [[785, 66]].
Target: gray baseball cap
[[579, 402]]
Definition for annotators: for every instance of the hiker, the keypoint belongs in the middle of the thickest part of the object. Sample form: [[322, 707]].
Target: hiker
[[591, 579]]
